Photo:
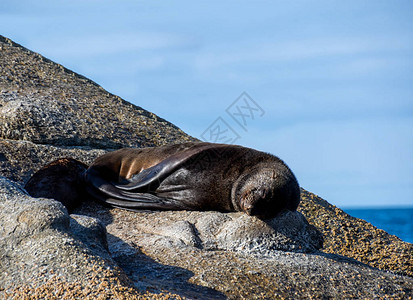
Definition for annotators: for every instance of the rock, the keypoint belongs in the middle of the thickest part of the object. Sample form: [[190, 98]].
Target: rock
[[289, 231], [356, 238], [183, 231], [49, 112], [91, 232], [18, 220], [22, 158], [40, 256], [219, 231], [45, 103], [235, 274]]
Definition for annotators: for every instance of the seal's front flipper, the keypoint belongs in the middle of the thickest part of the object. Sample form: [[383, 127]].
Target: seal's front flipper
[[149, 179], [106, 192]]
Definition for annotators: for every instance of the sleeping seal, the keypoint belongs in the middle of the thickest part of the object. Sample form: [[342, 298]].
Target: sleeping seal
[[193, 176]]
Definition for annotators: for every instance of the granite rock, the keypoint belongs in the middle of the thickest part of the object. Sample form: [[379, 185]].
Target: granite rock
[[38, 245], [45, 103], [188, 255]]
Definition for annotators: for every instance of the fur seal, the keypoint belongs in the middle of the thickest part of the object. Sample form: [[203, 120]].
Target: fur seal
[[194, 176]]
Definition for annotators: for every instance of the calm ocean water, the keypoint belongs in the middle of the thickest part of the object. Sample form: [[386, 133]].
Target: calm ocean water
[[397, 221]]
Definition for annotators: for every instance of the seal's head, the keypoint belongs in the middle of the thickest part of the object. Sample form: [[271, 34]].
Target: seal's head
[[265, 192]]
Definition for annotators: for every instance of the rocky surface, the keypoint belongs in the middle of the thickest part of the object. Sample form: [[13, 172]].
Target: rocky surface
[[49, 112], [45, 103], [46, 253], [356, 238]]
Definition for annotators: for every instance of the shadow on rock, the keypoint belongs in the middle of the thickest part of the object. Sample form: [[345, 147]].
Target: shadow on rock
[[149, 275], [143, 271]]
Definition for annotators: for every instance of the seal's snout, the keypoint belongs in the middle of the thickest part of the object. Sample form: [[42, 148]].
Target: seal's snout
[[255, 202], [248, 208]]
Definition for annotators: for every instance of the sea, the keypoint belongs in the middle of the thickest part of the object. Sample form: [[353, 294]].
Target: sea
[[397, 221]]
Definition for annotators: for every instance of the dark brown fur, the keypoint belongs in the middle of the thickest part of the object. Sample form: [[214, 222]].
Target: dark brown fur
[[61, 180], [193, 176]]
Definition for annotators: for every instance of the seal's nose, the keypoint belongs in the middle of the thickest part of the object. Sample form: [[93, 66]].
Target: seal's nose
[[247, 207]]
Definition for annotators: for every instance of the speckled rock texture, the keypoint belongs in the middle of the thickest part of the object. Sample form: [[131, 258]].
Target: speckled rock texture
[[20, 159], [356, 238], [43, 251], [45, 103], [239, 274], [232, 231], [48, 112]]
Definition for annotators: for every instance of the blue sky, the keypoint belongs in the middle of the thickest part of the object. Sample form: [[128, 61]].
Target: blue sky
[[334, 78]]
